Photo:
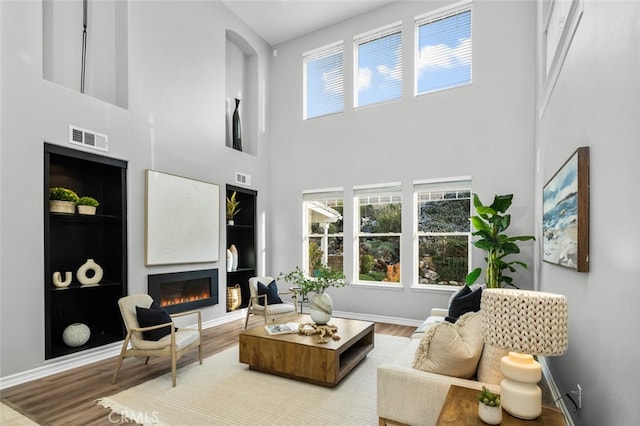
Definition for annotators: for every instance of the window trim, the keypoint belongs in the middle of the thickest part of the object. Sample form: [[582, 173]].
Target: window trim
[[435, 184], [550, 77], [359, 190], [432, 16], [315, 54], [375, 34]]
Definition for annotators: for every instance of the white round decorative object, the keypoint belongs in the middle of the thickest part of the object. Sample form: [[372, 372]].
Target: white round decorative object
[[320, 308], [58, 206], [57, 279], [77, 334], [489, 415], [90, 210], [89, 265]]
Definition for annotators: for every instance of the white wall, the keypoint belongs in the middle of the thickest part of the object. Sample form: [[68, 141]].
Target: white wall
[[484, 130], [596, 103], [175, 123]]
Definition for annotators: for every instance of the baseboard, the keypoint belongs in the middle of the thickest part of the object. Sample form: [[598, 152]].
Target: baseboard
[[377, 318], [555, 392], [89, 356]]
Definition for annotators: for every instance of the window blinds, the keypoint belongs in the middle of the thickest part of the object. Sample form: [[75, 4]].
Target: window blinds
[[443, 49], [323, 71]]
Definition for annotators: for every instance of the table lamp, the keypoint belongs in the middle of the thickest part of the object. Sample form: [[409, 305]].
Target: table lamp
[[526, 323]]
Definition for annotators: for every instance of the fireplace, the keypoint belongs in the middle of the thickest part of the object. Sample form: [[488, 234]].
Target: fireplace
[[183, 291]]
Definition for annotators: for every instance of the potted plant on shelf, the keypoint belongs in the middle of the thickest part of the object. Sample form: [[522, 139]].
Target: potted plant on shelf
[[320, 304], [87, 205], [490, 223], [62, 200], [489, 409], [233, 207]]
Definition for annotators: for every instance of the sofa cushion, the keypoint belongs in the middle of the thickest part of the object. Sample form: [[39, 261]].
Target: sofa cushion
[[489, 370], [466, 300], [452, 349]]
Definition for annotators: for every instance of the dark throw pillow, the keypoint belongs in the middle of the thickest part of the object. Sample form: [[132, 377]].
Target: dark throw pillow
[[154, 315], [271, 291], [466, 300]]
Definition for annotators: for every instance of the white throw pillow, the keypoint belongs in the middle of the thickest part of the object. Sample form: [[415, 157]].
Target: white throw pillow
[[452, 349]]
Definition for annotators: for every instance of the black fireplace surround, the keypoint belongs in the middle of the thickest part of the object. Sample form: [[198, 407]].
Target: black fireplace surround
[[184, 291]]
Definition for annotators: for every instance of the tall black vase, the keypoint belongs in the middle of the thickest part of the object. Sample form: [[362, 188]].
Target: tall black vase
[[237, 128]]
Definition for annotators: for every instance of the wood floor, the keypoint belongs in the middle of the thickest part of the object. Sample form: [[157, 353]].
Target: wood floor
[[68, 398]]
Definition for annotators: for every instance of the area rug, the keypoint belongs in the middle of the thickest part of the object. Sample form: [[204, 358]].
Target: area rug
[[224, 392]]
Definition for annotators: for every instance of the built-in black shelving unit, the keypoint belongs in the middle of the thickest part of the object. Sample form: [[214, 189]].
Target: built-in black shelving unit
[[71, 239], [242, 234]]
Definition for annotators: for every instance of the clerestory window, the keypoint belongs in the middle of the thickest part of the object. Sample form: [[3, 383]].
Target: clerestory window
[[323, 74], [378, 66], [443, 49]]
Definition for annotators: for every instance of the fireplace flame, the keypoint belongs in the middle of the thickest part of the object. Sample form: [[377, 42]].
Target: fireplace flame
[[168, 301]]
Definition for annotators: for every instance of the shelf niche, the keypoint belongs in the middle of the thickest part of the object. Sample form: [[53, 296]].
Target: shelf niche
[[71, 239], [242, 234], [106, 65], [241, 71]]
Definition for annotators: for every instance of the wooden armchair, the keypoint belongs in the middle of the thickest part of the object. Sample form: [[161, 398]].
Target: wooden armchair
[[258, 303], [173, 345]]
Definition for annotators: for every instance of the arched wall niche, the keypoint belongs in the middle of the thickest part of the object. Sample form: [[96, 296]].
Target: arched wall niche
[[242, 83]]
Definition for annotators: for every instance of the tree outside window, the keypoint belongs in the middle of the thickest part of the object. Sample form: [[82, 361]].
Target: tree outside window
[[444, 232], [379, 234]]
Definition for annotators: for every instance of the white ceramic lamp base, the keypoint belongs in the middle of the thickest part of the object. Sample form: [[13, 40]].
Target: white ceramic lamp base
[[519, 392]]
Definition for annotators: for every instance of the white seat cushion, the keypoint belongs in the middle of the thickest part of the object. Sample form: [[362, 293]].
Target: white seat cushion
[[184, 337]]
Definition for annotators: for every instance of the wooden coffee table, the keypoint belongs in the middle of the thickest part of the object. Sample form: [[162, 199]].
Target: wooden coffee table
[[302, 358]]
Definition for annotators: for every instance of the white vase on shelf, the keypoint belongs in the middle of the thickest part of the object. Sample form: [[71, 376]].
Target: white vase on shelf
[[57, 279], [77, 334], [89, 265], [234, 254], [229, 261]]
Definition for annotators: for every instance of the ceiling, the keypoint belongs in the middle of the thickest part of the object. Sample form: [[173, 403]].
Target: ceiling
[[277, 21]]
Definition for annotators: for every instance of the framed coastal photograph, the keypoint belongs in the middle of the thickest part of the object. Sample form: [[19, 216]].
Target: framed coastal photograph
[[182, 220], [565, 219]]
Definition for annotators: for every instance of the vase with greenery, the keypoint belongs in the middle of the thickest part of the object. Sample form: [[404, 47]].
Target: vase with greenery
[[62, 200], [87, 205], [320, 304], [490, 223], [489, 409], [233, 207]]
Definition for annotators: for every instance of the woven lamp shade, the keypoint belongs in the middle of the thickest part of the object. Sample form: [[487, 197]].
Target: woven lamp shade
[[530, 322]]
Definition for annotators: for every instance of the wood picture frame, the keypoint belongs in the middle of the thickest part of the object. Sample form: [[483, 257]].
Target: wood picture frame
[[565, 218], [182, 221]]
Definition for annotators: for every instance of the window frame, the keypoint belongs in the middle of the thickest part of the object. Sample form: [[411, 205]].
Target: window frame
[[314, 55], [434, 185], [393, 188], [433, 16], [318, 195], [369, 36]]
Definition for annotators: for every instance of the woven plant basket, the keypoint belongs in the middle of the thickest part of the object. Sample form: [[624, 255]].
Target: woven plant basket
[[234, 298]]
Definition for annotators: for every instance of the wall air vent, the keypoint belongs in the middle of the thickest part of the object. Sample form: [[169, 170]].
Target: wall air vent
[[243, 179], [88, 138]]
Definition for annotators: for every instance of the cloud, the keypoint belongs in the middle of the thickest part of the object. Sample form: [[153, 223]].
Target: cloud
[[364, 79], [444, 56], [394, 73]]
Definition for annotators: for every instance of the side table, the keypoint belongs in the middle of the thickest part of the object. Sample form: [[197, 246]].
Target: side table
[[461, 409]]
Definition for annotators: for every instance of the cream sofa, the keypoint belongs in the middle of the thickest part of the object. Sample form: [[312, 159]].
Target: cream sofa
[[408, 396]]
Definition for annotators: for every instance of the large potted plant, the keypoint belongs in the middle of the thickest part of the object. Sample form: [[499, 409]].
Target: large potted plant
[[320, 304], [62, 200], [490, 223]]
